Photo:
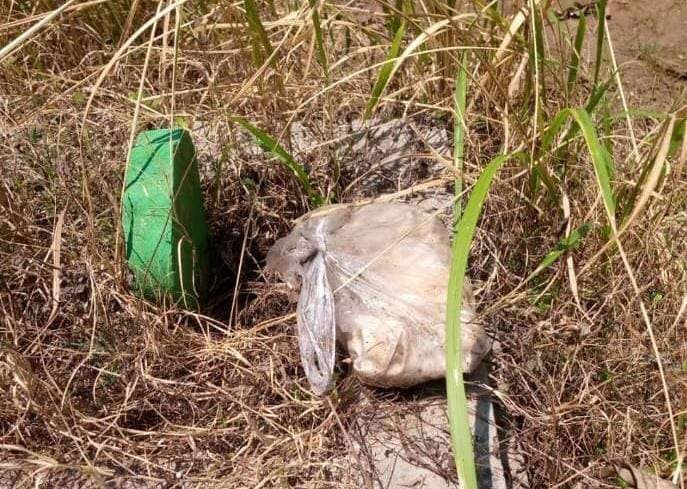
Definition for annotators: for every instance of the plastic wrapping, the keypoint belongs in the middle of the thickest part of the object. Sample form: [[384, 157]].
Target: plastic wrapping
[[374, 277]]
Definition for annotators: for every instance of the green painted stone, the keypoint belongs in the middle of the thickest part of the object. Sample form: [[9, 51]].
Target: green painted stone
[[165, 232]]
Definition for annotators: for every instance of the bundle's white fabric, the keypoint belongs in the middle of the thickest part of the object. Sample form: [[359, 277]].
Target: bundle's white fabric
[[374, 277]]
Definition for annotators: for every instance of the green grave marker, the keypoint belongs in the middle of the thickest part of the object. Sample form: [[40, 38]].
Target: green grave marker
[[165, 232]]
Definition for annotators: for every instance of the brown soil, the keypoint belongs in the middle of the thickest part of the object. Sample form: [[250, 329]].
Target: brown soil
[[650, 43]]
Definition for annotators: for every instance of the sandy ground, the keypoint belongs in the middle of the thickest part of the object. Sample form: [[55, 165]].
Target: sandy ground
[[650, 42]]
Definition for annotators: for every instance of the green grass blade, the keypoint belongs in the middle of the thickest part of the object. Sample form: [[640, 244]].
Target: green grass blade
[[541, 53], [601, 160], [260, 42], [565, 244], [461, 439], [393, 14], [459, 128], [320, 52], [600, 34], [257, 30], [553, 130], [598, 92], [577, 50], [540, 171], [270, 145], [596, 97], [385, 72]]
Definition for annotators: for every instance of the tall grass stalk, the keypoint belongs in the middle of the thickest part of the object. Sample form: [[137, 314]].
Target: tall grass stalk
[[263, 52], [464, 231], [600, 34], [536, 90], [262, 47], [621, 92], [385, 73], [539, 48], [175, 62], [459, 129], [320, 52], [461, 439], [577, 53]]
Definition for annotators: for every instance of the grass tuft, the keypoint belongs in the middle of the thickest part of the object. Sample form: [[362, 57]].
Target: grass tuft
[[272, 146], [384, 76], [464, 233]]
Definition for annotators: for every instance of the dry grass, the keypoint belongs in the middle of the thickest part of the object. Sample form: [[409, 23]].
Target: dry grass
[[98, 388]]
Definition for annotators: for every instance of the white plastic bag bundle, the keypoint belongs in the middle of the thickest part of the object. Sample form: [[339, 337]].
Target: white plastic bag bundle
[[374, 277]]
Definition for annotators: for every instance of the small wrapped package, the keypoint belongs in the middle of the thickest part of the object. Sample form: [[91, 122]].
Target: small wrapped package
[[374, 277]]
